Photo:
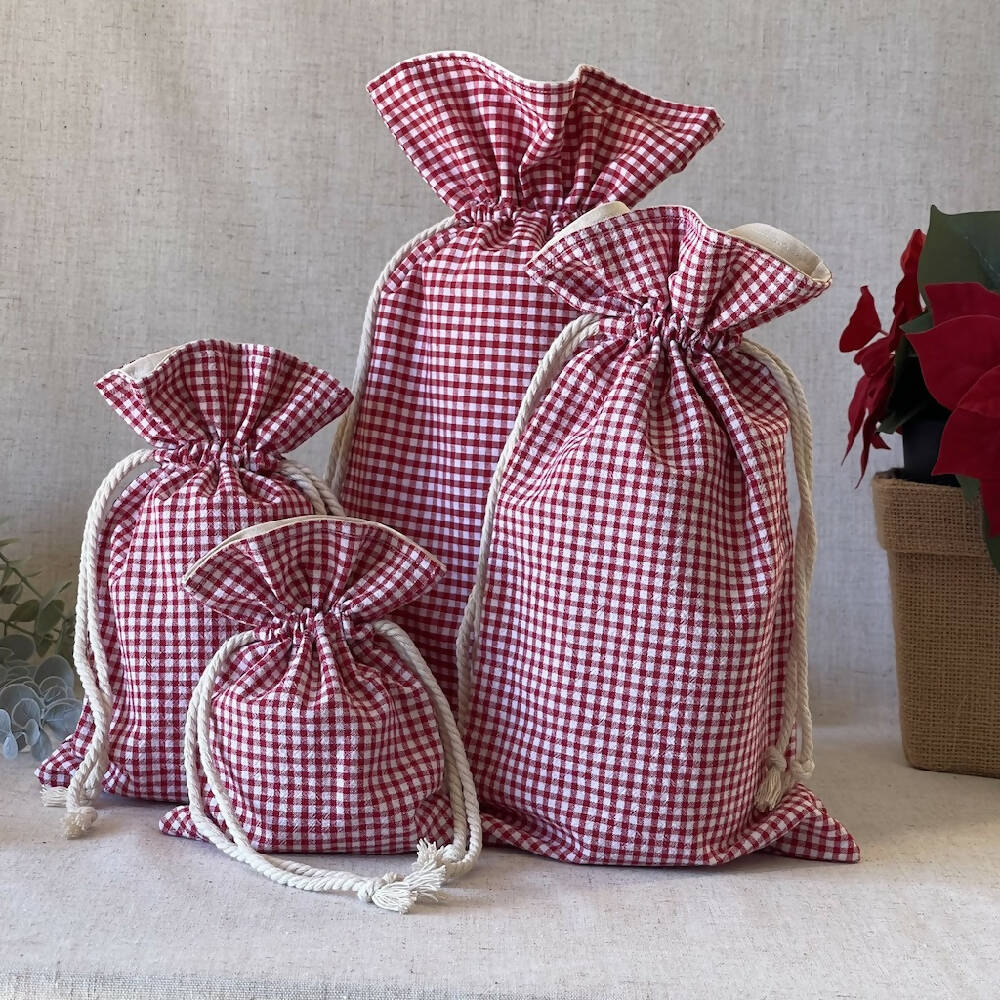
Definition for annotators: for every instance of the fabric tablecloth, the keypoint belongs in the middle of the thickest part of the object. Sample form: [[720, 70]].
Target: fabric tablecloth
[[129, 913]]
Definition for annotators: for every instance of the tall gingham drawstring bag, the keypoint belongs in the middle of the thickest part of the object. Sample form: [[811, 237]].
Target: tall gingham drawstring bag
[[321, 729], [219, 418], [455, 328], [637, 636]]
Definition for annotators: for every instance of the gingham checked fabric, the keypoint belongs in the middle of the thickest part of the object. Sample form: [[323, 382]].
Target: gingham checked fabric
[[219, 416], [325, 739], [460, 327], [636, 615]]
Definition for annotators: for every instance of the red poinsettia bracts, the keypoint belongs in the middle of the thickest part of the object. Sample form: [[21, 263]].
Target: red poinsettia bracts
[[877, 357], [960, 361]]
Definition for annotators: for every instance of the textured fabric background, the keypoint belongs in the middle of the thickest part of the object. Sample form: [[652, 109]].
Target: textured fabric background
[[201, 167]]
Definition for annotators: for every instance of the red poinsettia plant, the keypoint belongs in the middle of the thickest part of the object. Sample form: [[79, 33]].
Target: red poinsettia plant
[[940, 358]]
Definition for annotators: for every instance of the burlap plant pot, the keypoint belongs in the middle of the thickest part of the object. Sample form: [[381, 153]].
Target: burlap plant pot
[[946, 610]]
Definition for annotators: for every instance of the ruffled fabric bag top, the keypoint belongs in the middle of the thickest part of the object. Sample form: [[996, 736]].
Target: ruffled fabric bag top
[[321, 729], [219, 418], [455, 327], [635, 647]]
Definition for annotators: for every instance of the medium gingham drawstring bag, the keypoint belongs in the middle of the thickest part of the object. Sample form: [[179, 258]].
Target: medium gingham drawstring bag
[[637, 636], [321, 729], [219, 418], [455, 328]]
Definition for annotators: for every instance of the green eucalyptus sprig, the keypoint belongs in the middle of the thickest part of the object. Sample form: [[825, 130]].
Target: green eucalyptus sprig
[[26, 610], [38, 700]]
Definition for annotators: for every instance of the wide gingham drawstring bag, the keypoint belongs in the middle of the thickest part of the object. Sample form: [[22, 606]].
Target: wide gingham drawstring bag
[[321, 729], [455, 328], [637, 635], [219, 418]]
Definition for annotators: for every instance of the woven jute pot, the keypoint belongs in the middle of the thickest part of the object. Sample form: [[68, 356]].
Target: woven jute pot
[[946, 610]]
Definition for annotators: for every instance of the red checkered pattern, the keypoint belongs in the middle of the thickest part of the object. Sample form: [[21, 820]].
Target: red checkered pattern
[[219, 416], [324, 738], [460, 327], [637, 612]]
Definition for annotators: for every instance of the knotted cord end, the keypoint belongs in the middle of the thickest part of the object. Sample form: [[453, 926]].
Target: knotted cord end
[[398, 894]]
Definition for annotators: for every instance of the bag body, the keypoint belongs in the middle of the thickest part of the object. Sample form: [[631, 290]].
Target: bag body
[[636, 640], [455, 327], [219, 418], [324, 738]]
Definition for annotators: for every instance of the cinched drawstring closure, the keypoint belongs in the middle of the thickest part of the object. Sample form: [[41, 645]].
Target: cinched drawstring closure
[[434, 865], [89, 657], [344, 437], [89, 660], [319, 493], [780, 773]]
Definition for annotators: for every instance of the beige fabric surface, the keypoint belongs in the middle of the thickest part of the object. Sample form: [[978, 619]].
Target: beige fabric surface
[[131, 914]]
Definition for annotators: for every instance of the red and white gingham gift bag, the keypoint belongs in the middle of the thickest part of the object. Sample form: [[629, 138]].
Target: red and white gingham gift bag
[[637, 639], [219, 418], [455, 328], [322, 729]]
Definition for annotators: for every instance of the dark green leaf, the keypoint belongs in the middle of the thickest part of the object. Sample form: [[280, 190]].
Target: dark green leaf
[[970, 489], [25, 612], [10, 593], [962, 247], [50, 616], [65, 647], [43, 644], [921, 324]]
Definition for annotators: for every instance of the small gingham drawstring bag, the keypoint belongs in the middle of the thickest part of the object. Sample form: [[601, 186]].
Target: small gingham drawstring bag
[[219, 418], [321, 729]]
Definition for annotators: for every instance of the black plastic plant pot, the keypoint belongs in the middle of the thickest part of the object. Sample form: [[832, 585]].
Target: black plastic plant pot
[[921, 441]]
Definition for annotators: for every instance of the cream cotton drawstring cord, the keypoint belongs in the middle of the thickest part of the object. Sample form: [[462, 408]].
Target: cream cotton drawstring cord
[[344, 437], [467, 837], [781, 773], [433, 867], [90, 661], [319, 493]]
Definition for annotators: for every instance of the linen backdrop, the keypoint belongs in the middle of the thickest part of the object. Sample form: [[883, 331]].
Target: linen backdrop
[[205, 167]]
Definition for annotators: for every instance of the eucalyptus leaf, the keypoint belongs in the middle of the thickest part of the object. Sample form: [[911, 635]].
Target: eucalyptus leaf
[[49, 616], [54, 689], [12, 694], [65, 647], [18, 672], [42, 748], [10, 747], [4, 723], [32, 730], [63, 715], [20, 645], [25, 711], [54, 666], [961, 247], [25, 612]]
